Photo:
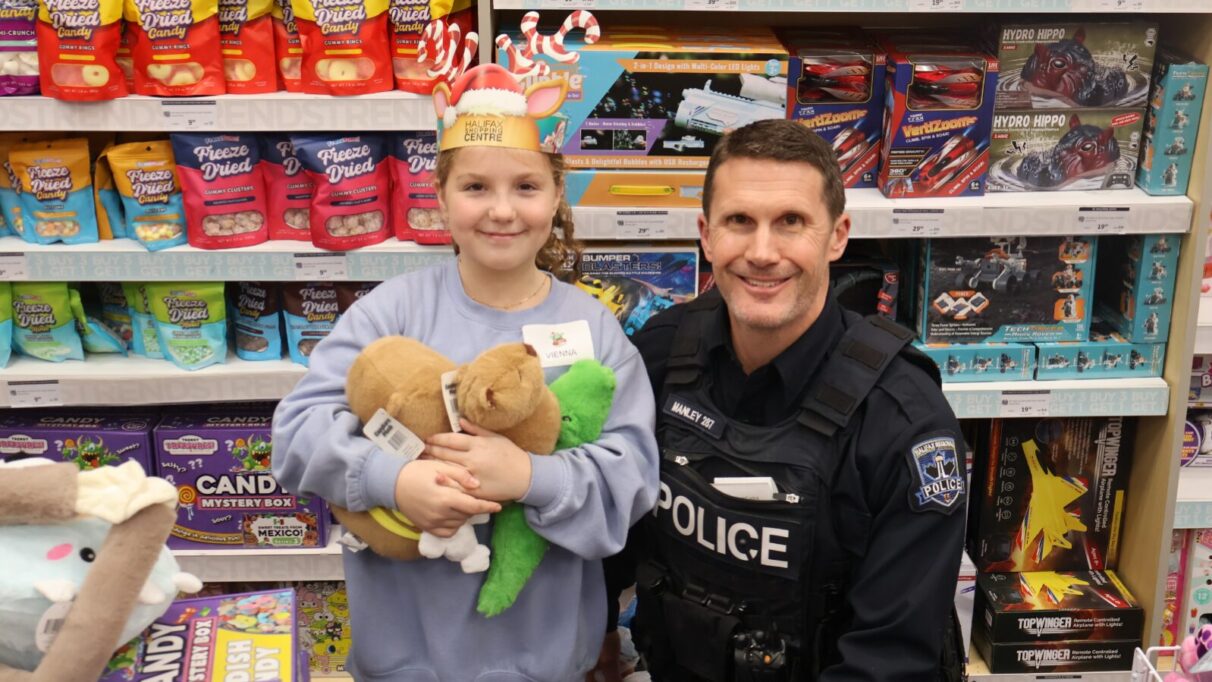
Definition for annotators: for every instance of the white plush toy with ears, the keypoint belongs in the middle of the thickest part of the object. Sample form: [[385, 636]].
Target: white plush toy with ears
[[462, 547]]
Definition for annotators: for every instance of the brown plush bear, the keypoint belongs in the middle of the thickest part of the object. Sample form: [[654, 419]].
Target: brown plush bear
[[502, 390]]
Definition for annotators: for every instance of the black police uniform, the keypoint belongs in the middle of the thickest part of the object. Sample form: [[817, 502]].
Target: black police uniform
[[849, 573]]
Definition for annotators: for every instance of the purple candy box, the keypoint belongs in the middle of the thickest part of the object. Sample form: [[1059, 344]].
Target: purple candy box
[[89, 440], [18, 50]]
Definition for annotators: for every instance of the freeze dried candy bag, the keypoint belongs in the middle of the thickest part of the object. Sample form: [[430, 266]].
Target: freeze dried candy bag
[[408, 21], [57, 191], [144, 339], [6, 322], [353, 189], [111, 222], [115, 311], [310, 310], [253, 308], [345, 47], [95, 336], [43, 325], [18, 47], [191, 322], [151, 193], [175, 46], [224, 186], [414, 201], [289, 189], [10, 188], [246, 38], [124, 60], [77, 44], [287, 46]]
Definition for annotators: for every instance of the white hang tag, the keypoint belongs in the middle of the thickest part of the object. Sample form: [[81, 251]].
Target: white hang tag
[[450, 398], [50, 624], [392, 436], [560, 345], [760, 488]]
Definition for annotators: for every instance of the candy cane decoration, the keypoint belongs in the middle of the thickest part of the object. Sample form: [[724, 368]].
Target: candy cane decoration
[[440, 47], [519, 62], [523, 63]]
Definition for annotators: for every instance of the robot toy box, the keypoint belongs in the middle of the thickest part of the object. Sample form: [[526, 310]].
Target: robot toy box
[[637, 282], [647, 189], [90, 440], [1064, 150], [227, 496], [642, 99], [970, 362], [1052, 494], [1135, 292], [1179, 83], [938, 110], [251, 636], [1079, 65], [835, 87], [1049, 621], [1022, 289], [1107, 355]]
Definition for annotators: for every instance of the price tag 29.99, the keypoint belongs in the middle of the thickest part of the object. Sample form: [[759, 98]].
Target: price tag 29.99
[[1103, 219], [1025, 404], [712, 5], [929, 5], [641, 224], [918, 222], [321, 267]]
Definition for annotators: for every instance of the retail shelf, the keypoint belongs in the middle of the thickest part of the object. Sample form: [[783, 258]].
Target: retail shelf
[[278, 111], [1068, 398], [902, 6], [1193, 504], [116, 380], [1203, 328], [261, 565], [123, 259]]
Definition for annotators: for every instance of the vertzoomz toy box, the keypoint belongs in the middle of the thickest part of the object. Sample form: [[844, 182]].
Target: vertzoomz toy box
[[87, 440], [1006, 289], [637, 282], [1179, 83], [1064, 150]]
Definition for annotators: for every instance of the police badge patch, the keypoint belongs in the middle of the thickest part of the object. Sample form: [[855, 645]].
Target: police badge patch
[[938, 482]]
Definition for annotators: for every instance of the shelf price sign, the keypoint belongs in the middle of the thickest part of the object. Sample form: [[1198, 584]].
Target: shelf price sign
[[918, 222], [13, 267], [711, 5], [1111, 6], [931, 5], [641, 224], [1025, 404], [1103, 219], [320, 267], [34, 393], [187, 114]]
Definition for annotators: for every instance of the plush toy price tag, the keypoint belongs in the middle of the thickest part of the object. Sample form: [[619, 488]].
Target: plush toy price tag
[[383, 430], [450, 390], [50, 624]]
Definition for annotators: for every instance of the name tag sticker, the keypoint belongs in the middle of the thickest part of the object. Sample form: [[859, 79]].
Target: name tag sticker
[[688, 411], [759, 488], [560, 345]]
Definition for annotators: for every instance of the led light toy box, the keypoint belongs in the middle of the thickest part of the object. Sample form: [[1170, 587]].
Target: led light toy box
[[647, 189], [637, 282], [835, 87], [1051, 494], [938, 110], [89, 440], [1041, 150], [1021, 289], [971, 362], [1107, 355], [228, 498], [643, 99], [1075, 65], [1135, 292], [1179, 84]]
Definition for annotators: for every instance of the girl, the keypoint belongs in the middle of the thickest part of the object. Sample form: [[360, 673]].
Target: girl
[[416, 621]]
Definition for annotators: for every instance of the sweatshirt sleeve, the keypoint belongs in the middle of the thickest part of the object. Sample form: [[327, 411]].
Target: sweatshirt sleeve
[[586, 498], [319, 448]]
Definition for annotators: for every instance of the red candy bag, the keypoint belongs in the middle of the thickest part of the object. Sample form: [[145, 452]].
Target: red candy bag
[[344, 46], [224, 187], [175, 45], [287, 46], [77, 41], [414, 201], [246, 36], [408, 21], [353, 189], [290, 189]]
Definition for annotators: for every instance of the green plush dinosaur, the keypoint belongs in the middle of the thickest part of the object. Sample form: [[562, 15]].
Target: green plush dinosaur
[[585, 393]]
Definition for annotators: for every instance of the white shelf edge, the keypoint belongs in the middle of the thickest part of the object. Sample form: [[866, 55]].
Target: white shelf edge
[[262, 565], [869, 6], [1193, 502], [1064, 398]]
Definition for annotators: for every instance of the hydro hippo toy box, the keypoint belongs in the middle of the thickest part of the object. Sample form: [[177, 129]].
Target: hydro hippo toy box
[[1006, 289], [970, 362], [1064, 65], [647, 189], [227, 495], [1135, 292], [637, 282], [1052, 494], [88, 440], [1179, 83], [1107, 355], [1064, 150]]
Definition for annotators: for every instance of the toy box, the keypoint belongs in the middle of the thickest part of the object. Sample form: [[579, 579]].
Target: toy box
[[1106, 355], [1136, 286], [868, 285], [228, 497], [1179, 83], [637, 282], [1176, 573], [965, 600], [1075, 65], [1197, 439], [938, 110], [1006, 289], [1200, 389], [648, 189], [641, 99], [1198, 583], [324, 631], [1052, 494], [835, 87], [90, 440], [1064, 150], [229, 637], [968, 362]]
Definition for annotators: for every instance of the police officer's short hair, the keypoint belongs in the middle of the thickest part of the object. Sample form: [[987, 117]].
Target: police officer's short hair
[[779, 140]]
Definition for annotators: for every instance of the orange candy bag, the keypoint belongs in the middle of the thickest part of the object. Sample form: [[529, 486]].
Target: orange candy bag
[[345, 47], [175, 45], [246, 37], [77, 41]]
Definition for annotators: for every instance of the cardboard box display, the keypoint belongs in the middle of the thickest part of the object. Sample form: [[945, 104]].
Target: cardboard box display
[[1075, 65], [324, 630], [637, 282], [1051, 494], [1135, 291], [1197, 601], [1056, 606], [649, 189], [88, 439], [1179, 84], [1107, 355], [1020, 289], [972, 362], [1039, 150]]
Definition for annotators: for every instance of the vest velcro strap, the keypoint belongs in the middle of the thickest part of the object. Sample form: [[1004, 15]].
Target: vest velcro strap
[[896, 330], [871, 357]]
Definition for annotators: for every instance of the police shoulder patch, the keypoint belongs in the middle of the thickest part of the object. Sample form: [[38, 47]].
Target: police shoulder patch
[[936, 477]]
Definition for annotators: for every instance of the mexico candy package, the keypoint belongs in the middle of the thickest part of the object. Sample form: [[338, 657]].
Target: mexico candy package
[[146, 179], [288, 189], [175, 46], [224, 187], [287, 46], [43, 324], [18, 48], [111, 222], [353, 189], [408, 19], [95, 336], [345, 48], [310, 310], [246, 36], [57, 202], [6, 322], [191, 322], [414, 201], [115, 311], [256, 321], [144, 340], [77, 43]]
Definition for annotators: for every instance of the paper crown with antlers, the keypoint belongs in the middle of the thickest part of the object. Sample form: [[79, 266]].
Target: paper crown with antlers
[[488, 106]]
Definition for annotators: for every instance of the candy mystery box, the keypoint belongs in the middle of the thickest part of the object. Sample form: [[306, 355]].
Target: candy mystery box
[[226, 493], [1052, 494], [1064, 150], [1179, 83], [1135, 292], [1070, 65], [88, 440], [252, 636], [637, 282], [1006, 289]]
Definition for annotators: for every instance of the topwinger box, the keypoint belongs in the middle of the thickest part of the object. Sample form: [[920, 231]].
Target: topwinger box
[[1052, 606]]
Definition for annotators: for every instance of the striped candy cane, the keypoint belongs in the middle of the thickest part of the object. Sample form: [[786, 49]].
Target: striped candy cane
[[440, 47], [519, 62], [523, 63]]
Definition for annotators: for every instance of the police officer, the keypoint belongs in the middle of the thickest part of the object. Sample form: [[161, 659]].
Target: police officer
[[811, 509]]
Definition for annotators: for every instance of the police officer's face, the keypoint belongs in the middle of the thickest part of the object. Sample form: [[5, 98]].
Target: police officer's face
[[770, 241]]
